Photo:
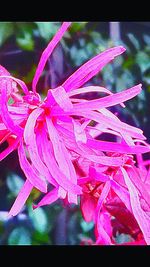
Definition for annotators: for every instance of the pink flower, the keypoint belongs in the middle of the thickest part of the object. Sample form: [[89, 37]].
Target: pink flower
[[119, 191], [53, 134]]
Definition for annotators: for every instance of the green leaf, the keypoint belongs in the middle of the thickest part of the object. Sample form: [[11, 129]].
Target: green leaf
[[129, 62], [79, 56], [47, 29], [6, 30], [146, 39], [77, 26], [39, 219], [19, 236], [134, 40], [107, 73], [143, 60], [25, 42], [86, 227], [14, 183], [125, 80], [40, 238]]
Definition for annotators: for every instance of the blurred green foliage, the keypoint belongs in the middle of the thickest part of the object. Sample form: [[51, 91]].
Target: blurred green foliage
[[82, 41]]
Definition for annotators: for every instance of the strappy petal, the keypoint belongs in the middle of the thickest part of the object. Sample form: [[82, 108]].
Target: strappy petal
[[91, 68], [35, 179], [21, 198], [62, 156], [62, 98], [57, 174], [142, 218], [102, 197], [116, 147], [109, 101], [79, 132], [30, 140], [9, 149], [47, 52], [48, 199]]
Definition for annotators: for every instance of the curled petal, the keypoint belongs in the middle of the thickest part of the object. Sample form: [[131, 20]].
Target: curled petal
[[91, 68], [89, 89], [16, 129], [20, 82]]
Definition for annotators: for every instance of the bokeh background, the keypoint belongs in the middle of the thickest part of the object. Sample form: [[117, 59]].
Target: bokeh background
[[21, 45]]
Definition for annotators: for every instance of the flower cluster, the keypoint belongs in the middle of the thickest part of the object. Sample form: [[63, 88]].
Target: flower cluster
[[57, 144]]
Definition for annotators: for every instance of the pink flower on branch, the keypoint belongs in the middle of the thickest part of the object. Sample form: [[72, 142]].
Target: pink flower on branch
[[54, 134]]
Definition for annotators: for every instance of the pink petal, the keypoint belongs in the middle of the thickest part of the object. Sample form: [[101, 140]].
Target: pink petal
[[57, 174], [89, 89], [109, 101], [117, 126], [30, 140], [142, 187], [116, 147], [2, 127], [16, 129], [122, 193], [62, 193], [88, 205], [91, 68], [103, 238], [9, 149], [96, 174], [88, 153], [104, 229], [39, 140], [47, 52], [18, 110], [35, 179], [104, 160], [20, 82], [62, 98], [80, 135], [62, 156], [48, 199], [102, 197], [114, 124], [142, 218], [21, 198], [84, 180]]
